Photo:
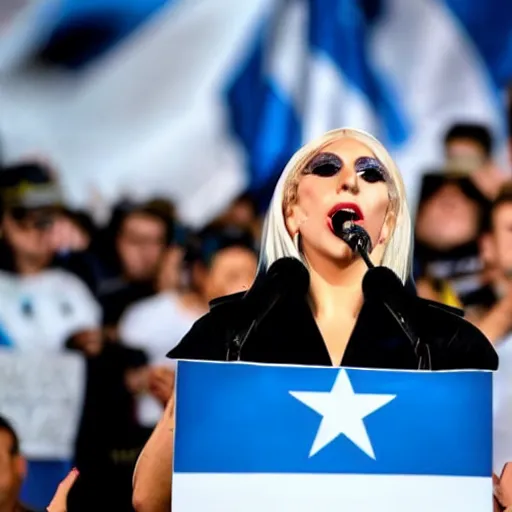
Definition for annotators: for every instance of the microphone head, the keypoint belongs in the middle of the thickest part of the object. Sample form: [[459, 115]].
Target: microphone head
[[291, 273], [355, 236], [380, 282]]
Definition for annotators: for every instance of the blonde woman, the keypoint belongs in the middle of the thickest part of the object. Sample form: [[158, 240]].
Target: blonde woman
[[332, 324]]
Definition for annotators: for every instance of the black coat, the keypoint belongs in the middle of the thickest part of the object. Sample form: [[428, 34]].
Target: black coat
[[289, 335]]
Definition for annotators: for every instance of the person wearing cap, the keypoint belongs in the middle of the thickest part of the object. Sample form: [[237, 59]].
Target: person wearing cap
[[40, 304]]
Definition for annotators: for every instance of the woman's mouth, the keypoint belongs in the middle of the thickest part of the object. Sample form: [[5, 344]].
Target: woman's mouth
[[348, 211]]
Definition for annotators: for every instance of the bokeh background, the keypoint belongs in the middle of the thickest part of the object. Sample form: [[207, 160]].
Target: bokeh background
[[140, 141]]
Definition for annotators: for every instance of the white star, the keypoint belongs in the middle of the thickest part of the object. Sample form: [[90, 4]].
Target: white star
[[342, 412]]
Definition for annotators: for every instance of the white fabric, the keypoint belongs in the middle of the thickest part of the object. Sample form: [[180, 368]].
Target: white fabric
[[439, 78], [42, 395], [39, 312], [329, 493], [161, 94], [155, 325], [147, 119]]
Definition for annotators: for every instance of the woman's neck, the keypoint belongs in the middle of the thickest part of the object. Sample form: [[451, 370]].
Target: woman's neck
[[335, 287]]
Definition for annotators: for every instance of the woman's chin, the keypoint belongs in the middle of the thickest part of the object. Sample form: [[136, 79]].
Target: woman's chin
[[342, 255]]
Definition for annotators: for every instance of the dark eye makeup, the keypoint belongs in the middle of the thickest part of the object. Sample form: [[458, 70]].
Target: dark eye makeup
[[370, 169], [329, 164], [325, 165]]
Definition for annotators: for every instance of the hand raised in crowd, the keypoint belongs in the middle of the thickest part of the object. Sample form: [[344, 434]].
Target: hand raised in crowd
[[496, 322], [161, 383], [60, 499], [503, 488], [489, 179], [67, 236]]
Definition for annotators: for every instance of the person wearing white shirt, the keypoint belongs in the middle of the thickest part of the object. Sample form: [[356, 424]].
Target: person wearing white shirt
[[227, 264]]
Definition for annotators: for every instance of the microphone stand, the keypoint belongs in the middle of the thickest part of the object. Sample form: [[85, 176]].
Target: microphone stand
[[360, 245]]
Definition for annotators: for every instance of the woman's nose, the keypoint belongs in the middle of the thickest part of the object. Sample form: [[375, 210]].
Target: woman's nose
[[348, 180]]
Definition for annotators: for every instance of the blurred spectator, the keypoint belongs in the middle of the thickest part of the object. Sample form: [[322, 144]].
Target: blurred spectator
[[448, 224], [490, 308], [225, 263], [131, 253], [242, 213], [468, 149], [469, 143], [438, 290], [491, 305], [109, 437], [13, 468], [40, 304]]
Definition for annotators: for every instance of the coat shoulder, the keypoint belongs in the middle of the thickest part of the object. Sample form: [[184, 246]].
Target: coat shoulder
[[455, 343]]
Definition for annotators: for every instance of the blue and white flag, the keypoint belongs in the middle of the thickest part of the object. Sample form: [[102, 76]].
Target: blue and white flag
[[198, 99], [259, 438]]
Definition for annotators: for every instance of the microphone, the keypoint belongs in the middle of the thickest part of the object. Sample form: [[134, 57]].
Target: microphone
[[286, 277], [355, 236], [381, 284]]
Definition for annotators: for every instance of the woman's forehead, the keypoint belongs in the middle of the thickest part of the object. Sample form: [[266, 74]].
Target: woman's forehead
[[348, 149]]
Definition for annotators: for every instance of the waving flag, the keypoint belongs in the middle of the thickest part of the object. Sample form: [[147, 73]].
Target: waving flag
[[198, 99], [255, 437]]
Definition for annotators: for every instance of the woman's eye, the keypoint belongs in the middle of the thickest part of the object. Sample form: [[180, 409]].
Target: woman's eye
[[325, 170], [371, 174], [325, 165]]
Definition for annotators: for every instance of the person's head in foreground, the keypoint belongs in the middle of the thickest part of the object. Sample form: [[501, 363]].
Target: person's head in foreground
[[345, 169], [13, 468]]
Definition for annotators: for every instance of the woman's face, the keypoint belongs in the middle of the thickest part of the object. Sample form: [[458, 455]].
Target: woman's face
[[344, 175]]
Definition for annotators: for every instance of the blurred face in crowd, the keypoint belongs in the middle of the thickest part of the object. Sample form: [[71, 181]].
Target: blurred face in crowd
[[28, 232], [466, 149], [170, 274], [12, 470], [447, 219], [344, 173], [500, 240], [232, 270], [241, 213], [141, 244]]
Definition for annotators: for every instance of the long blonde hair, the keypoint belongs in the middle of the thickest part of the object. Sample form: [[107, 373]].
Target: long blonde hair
[[276, 241]]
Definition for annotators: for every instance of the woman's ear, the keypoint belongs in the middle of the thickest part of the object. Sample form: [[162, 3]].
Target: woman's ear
[[387, 227], [293, 218]]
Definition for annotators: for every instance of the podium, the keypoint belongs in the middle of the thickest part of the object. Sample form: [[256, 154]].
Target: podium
[[255, 438]]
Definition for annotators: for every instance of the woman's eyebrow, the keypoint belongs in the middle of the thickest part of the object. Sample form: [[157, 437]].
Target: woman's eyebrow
[[365, 162], [323, 159]]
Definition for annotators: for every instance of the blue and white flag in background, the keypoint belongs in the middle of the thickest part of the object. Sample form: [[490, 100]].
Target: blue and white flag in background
[[197, 99], [277, 438]]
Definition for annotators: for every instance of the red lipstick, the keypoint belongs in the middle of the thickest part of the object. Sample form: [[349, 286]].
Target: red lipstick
[[350, 208]]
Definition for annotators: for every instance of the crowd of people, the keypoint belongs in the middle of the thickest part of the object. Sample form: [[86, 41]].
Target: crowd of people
[[124, 294]]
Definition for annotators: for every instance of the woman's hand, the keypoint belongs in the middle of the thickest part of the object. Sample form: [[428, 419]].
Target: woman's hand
[[60, 499]]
